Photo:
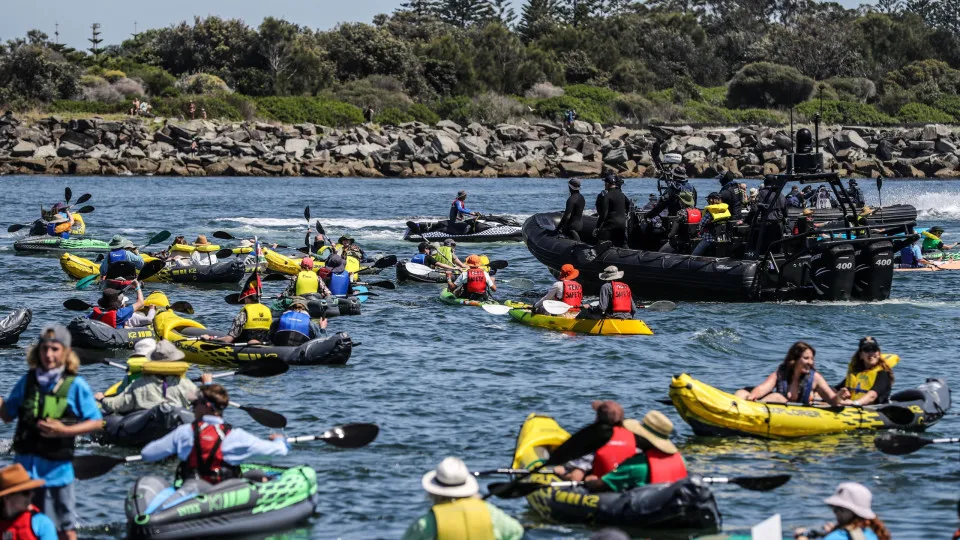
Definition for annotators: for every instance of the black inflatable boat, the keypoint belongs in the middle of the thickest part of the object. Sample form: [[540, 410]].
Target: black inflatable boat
[[13, 325]]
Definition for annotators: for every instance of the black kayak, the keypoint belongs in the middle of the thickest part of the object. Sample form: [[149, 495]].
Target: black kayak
[[220, 272], [404, 274], [320, 307], [95, 335], [488, 229], [138, 428], [13, 325]]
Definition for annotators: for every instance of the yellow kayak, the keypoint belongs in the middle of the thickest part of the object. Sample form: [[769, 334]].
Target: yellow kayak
[[713, 412], [283, 264], [227, 271], [603, 327]]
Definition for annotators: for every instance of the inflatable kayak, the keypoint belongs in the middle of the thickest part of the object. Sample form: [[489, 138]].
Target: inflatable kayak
[[448, 297], [39, 227], [282, 264], [492, 230], [54, 244], [713, 412], [604, 327], [97, 336], [221, 272], [184, 333], [688, 504], [433, 276], [320, 307], [237, 507], [13, 325]]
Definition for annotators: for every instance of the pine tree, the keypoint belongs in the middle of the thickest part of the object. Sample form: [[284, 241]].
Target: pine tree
[[537, 17], [421, 9], [464, 13], [890, 7], [577, 12], [503, 11], [96, 40]]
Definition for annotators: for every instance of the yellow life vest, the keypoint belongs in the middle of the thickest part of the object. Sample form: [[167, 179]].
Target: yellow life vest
[[182, 249], [719, 211], [157, 299], [207, 248], [444, 255], [307, 283], [165, 368], [242, 250], [352, 267], [861, 383], [463, 519], [258, 317], [135, 364]]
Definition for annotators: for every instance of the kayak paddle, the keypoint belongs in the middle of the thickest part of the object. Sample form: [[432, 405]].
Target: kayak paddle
[[586, 441], [898, 444], [257, 369], [19, 226], [67, 195], [505, 490], [385, 284], [753, 483], [552, 307], [75, 304], [383, 262]]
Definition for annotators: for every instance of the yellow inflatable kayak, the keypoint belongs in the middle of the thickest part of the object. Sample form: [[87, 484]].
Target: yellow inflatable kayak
[[604, 327], [282, 264], [226, 271], [713, 412]]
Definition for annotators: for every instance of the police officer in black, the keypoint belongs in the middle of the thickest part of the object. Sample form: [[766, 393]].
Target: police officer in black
[[612, 206], [572, 218], [731, 195], [855, 194], [766, 218]]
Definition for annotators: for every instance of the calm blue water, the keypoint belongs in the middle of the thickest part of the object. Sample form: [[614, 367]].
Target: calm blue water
[[442, 381]]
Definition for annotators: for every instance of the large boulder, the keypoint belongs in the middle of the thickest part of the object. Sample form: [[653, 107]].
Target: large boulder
[[443, 144], [82, 140], [296, 147], [848, 138], [699, 143], [473, 144], [932, 132], [449, 124], [23, 149], [586, 168], [580, 126]]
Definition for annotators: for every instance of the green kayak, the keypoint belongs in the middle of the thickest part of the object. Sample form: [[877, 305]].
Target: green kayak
[[53, 244], [448, 297]]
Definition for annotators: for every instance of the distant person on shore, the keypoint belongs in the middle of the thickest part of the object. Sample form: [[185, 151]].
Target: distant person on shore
[[193, 110], [136, 107], [369, 113], [203, 112], [572, 218]]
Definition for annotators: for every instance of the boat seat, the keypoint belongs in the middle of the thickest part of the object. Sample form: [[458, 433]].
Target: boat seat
[[912, 394]]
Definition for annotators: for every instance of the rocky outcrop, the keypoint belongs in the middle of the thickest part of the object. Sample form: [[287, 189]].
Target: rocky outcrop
[[200, 147]]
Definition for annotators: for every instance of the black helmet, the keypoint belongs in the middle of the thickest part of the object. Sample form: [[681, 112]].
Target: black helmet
[[714, 195], [853, 182], [725, 178]]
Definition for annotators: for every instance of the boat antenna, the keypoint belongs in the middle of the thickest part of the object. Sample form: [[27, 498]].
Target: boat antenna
[[816, 124], [793, 144]]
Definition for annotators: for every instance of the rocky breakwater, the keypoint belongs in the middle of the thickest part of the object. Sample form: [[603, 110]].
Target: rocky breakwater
[[200, 147]]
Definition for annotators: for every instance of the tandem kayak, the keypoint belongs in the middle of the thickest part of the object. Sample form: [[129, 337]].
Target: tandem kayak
[[282, 264], [39, 227], [221, 272], [55, 244], [184, 333], [409, 271], [602, 327], [236, 507], [686, 505], [493, 229], [713, 412], [13, 325], [320, 307], [448, 297]]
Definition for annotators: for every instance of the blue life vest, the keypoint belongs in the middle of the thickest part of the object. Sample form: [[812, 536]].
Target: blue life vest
[[419, 258], [908, 258], [340, 283], [783, 386], [116, 256], [295, 321]]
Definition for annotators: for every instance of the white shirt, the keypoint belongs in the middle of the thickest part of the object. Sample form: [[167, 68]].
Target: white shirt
[[203, 259]]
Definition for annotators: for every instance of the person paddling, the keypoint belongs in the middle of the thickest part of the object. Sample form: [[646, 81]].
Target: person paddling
[[19, 517], [796, 380], [446, 254], [911, 256], [851, 504], [307, 281], [621, 447], [52, 405], [295, 327], [252, 324], [565, 289], [210, 449], [121, 263], [425, 256], [111, 310], [457, 512], [474, 284], [572, 219], [869, 376], [61, 221], [616, 299], [932, 242]]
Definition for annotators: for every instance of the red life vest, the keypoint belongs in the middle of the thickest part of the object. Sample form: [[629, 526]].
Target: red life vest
[[622, 298], [476, 281], [665, 467], [621, 447], [206, 458], [693, 216], [20, 527], [572, 293], [106, 317]]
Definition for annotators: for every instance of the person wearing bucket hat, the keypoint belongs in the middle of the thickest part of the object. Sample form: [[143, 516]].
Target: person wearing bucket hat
[[148, 391], [347, 246], [52, 405], [932, 241], [19, 517], [457, 222], [111, 310], [446, 254], [855, 194], [657, 460], [252, 323], [612, 206], [474, 284], [572, 219], [565, 289], [851, 504], [685, 226], [208, 448], [457, 512], [204, 253], [616, 299], [869, 377], [295, 327], [122, 262]]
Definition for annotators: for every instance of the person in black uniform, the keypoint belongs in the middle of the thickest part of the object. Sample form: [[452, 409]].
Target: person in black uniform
[[766, 217], [670, 199], [572, 218], [612, 212], [855, 194], [732, 196]]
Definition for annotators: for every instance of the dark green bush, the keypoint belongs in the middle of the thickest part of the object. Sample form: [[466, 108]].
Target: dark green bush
[[925, 114], [768, 85], [295, 110], [224, 106], [594, 94], [460, 109], [844, 112], [853, 88], [949, 105], [589, 111], [392, 116], [422, 113], [701, 113], [90, 107]]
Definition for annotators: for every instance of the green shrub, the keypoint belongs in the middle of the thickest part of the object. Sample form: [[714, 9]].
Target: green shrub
[[701, 113], [295, 110], [156, 81], [460, 109], [92, 80], [844, 112], [949, 105], [589, 111], [924, 114], [218, 107], [114, 75], [392, 116], [853, 88], [422, 113], [763, 117], [202, 83], [594, 94], [768, 85], [713, 95], [90, 107], [633, 108]]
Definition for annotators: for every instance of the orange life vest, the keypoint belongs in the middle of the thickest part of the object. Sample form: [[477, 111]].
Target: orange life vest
[[476, 281], [665, 467], [621, 447], [572, 293], [622, 298]]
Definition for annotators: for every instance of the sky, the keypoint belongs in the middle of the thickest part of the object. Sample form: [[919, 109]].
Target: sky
[[117, 18]]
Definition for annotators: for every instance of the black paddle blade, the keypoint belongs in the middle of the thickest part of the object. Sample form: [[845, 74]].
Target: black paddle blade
[[67, 195], [17, 227], [182, 307], [84, 198], [897, 444], [86, 210], [879, 183], [305, 250], [87, 467], [224, 253], [499, 265], [232, 299], [150, 269], [389, 285], [586, 441], [159, 237], [263, 368], [223, 235], [513, 490], [306, 241], [351, 435], [761, 483], [306, 214], [265, 417], [385, 262], [320, 228], [75, 304]]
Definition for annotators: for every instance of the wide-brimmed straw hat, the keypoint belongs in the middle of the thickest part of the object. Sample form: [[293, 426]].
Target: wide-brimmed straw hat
[[611, 273], [655, 429], [450, 479], [119, 242], [14, 478], [201, 241], [166, 351], [567, 271], [866, 211], [854, 497], [246, 243]]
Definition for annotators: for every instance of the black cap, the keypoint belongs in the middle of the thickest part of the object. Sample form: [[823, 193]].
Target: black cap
[[869, 344], [853, 182], [574, 184]]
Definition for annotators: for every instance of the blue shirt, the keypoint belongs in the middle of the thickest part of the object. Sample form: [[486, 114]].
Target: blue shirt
[[841, 534], [43, 527], [123, 315], [81, 403], [237, 446], [130, 256], [462, 208]]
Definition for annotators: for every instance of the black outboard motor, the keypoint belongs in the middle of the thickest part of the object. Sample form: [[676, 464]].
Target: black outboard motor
[[874, 273], [832, 270]]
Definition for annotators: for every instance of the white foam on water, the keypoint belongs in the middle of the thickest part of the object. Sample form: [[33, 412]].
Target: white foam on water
[[939, 205]]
